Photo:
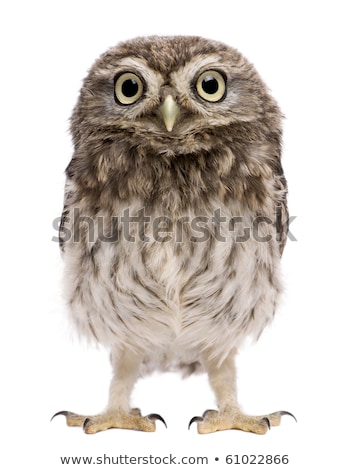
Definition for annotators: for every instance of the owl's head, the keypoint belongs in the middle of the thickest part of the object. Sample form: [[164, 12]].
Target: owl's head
[[172, 95]]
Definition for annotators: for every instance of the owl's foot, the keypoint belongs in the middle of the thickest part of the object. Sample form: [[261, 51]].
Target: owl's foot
[[213, 421], [120, 419]]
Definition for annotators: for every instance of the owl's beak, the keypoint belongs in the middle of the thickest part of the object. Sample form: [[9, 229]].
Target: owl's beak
[[169, 112]]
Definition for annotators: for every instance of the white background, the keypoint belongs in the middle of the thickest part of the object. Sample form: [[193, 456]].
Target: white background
[[301, 49]]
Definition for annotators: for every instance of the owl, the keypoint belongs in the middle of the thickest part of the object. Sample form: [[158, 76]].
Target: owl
[[174, 220]]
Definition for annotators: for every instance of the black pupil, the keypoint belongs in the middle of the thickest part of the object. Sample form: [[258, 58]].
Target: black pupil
[[130, 88], [210, 85]]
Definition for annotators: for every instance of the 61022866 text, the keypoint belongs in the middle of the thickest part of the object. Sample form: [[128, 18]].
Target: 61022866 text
[[260, 459]]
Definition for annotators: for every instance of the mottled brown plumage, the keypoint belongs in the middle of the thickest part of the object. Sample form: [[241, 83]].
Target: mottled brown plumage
[[175, 218]]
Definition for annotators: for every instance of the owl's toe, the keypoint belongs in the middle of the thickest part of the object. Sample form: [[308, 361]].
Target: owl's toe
[[121, 420], [72, 419]]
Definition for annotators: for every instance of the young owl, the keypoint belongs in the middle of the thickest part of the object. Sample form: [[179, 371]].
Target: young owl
[[174, 219]]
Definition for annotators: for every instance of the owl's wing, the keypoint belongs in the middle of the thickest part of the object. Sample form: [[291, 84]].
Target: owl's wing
[[65, 222], [62, 228], [282, 214]]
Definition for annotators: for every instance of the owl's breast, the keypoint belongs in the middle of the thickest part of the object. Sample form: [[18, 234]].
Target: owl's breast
[[173, 287]]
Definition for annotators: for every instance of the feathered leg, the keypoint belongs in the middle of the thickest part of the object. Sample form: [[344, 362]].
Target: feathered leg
[[222, 379], [118, 413]]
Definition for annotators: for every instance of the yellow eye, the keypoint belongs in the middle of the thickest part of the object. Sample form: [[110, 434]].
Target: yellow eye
[[211, 86], [128, 88]]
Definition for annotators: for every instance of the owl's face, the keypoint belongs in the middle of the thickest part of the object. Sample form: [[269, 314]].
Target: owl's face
[[168, 93]]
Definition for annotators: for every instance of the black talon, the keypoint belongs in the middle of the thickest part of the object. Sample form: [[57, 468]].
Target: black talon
[[195, 419], [85, 423], [267, 421], [63, 413], [155, 416], [283, 413]]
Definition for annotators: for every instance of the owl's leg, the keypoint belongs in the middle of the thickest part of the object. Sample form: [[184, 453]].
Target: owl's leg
[[222, 379], [118, 413]]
